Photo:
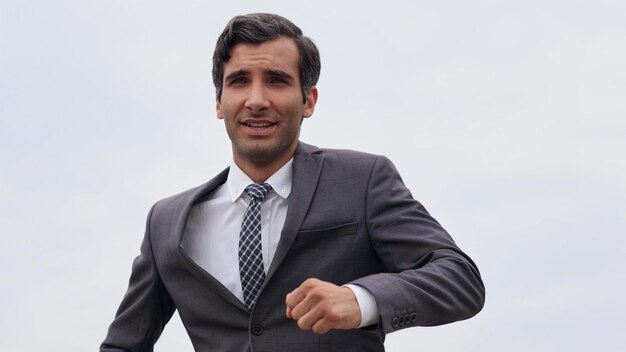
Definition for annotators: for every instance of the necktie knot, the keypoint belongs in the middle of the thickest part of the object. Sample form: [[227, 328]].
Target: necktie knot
[[258, 190]]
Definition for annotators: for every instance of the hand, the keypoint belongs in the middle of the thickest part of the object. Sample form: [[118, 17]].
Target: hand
[[321, 306]]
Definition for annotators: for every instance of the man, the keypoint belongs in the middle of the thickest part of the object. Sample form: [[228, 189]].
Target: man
[[292, 248]]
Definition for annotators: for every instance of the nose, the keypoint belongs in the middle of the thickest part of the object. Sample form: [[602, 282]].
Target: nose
[[257, 100]]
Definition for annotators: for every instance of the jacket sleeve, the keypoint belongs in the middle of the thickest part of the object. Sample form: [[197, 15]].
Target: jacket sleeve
[[146, 307], [428, 279]]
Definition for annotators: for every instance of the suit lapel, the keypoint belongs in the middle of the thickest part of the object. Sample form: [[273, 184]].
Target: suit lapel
[[186, 202], [307, 166]]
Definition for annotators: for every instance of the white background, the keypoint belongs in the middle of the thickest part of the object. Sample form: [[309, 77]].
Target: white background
[[505, 118]]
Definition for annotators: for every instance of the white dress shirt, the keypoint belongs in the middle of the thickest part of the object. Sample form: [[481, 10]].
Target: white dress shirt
[[211, 235]]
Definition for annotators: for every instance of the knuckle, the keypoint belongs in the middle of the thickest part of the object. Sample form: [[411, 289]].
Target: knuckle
[[332, 315], [311, 282], [296, 314], [302, 324], [320, 328], [316, 293]]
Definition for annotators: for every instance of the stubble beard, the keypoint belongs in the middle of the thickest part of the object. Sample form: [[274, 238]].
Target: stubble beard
[[261, 151]]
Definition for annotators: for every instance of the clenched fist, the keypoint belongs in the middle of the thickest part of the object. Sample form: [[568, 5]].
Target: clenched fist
[[321, 306]]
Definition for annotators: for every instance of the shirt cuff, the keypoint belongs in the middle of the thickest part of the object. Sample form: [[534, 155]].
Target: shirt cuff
[[367, 305]]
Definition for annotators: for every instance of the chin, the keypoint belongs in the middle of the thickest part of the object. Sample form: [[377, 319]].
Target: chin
[[262, 153]]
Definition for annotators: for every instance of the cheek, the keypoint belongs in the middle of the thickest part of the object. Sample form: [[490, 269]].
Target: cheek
[[294, 108], [229, 103]]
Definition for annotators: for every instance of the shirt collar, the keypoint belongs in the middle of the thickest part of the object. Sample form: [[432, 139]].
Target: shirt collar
[[280, 181]]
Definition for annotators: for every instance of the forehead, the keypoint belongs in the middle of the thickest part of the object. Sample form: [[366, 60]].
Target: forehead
[[280, 54]]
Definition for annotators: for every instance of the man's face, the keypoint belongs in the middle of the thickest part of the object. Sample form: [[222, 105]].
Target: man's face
[[261, 103]]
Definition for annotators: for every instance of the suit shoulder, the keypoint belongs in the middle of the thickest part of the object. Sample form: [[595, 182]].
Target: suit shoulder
[[348, 154], [353, 158], [193, 194], [169, 204], [339, 155], [175, 198]]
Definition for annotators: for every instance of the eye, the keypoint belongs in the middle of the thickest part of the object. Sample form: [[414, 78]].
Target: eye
[[277, 81], [238, 81]]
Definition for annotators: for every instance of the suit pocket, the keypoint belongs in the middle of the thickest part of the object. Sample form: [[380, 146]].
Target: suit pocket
[[321, 233]]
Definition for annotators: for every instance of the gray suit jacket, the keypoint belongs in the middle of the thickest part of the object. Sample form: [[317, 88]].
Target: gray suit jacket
[[350, 220]]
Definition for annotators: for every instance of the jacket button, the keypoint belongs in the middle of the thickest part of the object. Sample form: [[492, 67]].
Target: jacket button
[[413, 317], [257, 329], [401, 320], [394, 322]]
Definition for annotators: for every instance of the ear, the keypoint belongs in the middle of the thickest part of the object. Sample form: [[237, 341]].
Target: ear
[[311, 100], [218, 109]]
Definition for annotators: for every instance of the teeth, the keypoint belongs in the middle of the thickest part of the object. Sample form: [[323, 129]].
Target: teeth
[[258, 125]]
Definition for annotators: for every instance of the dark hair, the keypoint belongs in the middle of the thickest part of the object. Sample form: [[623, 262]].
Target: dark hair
[[257, 28]]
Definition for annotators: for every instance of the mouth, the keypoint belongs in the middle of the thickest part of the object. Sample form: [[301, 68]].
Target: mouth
[[258, 125], [258, 128]]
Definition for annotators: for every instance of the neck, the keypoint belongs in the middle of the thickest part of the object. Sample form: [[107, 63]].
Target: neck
[[259, 172]]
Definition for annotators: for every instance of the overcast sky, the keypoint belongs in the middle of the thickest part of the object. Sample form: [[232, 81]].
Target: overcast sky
[[506, 120]]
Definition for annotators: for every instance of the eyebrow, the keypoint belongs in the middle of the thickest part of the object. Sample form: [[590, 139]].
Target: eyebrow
[[235, 74], [272, 72], [280, 74]]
